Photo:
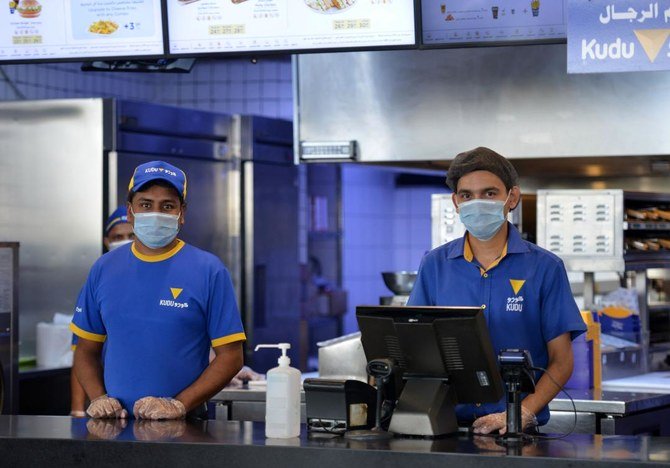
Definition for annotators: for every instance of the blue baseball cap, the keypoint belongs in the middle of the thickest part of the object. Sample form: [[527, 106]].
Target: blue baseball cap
[[119, 216], [154, 170]]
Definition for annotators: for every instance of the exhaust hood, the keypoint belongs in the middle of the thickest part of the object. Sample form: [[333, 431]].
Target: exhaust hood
[[422, 107]]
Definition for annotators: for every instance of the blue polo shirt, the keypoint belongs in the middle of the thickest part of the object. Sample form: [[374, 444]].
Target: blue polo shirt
[[525, 295], [158, 317]]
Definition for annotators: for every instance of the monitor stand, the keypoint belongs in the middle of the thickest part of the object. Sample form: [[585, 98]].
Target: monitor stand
[[425, 408]]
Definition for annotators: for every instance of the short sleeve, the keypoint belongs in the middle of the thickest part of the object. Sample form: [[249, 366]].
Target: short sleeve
[[420, 295], [559, 311], [223, 317], [87, 321]]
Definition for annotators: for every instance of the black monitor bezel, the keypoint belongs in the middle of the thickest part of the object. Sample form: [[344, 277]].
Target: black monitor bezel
[[104, 58], [473, 319], [499, 43], [261, 53]]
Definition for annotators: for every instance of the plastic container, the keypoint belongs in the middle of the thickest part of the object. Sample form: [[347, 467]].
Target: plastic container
[[587, 371], [282, 401]]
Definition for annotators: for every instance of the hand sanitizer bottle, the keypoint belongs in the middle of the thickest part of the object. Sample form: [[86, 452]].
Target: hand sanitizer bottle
[[282, 401]]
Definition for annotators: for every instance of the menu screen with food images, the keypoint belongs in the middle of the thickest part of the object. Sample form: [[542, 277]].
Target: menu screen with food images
[[48, 29], [486, 21], [209, 26]]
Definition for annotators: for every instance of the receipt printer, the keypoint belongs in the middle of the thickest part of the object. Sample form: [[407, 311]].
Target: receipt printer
[[335, 406]]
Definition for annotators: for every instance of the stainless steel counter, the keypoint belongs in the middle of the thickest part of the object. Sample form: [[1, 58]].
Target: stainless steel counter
[[609, 412], [615, 403], [598, 412], [59, 441]]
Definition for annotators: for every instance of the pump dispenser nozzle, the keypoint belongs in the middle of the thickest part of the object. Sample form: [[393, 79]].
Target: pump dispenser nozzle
[[283, 360]]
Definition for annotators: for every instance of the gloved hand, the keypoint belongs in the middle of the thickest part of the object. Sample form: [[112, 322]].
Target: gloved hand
[[159, 408], [245, 374], [106, 407], [159, 430], [498, 422], [105, 429]]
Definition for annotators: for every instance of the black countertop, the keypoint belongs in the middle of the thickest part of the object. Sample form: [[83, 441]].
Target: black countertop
[[46, 441]]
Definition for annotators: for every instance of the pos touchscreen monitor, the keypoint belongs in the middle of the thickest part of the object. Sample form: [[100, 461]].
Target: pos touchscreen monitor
[[442, 355]]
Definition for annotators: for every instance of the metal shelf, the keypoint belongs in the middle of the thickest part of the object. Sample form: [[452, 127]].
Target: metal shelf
[[656, 197], [611, 349], [636, 261], [639, 225], [658, 306], [659, 347]]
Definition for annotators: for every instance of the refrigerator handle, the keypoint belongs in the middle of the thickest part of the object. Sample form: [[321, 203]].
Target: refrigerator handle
[[2, 389], [260, 281]]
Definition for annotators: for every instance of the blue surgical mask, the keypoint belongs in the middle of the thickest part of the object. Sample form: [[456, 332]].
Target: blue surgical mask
[[483, 218], [155, 230]]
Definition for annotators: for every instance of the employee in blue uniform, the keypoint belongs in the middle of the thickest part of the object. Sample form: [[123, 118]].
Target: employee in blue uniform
[[117, 233], [522, 288], [159, 304]]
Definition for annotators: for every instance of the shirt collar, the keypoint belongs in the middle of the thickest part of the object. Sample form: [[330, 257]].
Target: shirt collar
[[461, 248], [158, 258]]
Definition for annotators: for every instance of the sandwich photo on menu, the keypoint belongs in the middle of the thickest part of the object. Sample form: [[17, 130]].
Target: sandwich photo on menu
[[329, 5], [29, 8]]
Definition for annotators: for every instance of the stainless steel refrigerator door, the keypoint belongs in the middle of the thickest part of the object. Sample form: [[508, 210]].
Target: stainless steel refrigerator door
[[9, 351], [51, 201], [271, 252]]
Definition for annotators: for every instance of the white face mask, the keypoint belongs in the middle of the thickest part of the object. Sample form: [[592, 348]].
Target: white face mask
[[116, 244]]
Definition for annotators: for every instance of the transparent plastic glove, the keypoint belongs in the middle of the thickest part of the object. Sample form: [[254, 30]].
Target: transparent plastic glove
[[498, 422], [105, 429], [159, 408], [159, 430], [490, 423], [106, 407], [244, 375]]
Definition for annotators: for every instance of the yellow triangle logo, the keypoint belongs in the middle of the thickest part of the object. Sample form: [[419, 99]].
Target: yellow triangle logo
[[517, 285], [176, 292], [652, 41]]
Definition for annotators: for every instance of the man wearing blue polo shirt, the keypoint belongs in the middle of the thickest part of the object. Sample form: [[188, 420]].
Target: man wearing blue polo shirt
[[159, 305], [522, 288]]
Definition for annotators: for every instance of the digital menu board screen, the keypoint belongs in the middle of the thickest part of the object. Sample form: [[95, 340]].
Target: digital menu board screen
[[473, 22], [211, 26], [74, 29]]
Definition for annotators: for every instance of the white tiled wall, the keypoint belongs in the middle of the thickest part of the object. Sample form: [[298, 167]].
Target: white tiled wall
[[386, 228], [226, 86]]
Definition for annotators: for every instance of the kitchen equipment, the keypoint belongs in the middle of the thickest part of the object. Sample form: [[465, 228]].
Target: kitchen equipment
[[336, 405], [343, 358], [399, 282], [583, 227], [9, 348], [614, 231], [527, 132], [243, 196]]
